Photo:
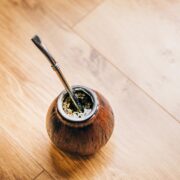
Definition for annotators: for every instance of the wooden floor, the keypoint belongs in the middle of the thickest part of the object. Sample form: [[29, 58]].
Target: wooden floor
[[129, 50]]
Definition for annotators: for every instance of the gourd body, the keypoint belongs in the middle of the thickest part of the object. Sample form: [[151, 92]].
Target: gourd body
[[82, 138]]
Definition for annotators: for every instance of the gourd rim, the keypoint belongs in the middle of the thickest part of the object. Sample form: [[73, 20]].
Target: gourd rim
[[86, 90]]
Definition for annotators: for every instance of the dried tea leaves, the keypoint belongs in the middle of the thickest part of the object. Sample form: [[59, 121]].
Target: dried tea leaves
[[85, 101]]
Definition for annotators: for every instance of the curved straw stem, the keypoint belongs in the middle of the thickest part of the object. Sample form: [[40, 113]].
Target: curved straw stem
[[37, 41]]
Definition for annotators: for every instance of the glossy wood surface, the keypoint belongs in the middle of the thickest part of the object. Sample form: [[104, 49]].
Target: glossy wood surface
[[120, 48]]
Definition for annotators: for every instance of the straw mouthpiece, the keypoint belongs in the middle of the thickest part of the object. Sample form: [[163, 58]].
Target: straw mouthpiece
[[36, 39]]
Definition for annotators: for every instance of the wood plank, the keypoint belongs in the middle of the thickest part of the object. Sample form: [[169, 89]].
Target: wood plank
[[141, 38], [44, 176], [15, 163], [146, 140], [70, 12]]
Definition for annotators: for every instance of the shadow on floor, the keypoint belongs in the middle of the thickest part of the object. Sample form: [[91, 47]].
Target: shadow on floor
[[73, 166]]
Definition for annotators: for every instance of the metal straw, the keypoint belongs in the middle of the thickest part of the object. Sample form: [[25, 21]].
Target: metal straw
[[37, 41]]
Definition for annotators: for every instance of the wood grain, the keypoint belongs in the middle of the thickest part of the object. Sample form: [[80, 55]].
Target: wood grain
[[15, 163], [70, 12], [44, 176], [141, 38], [146, 140]]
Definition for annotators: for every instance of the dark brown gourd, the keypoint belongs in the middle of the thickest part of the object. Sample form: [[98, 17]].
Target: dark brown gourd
[[82, 138]]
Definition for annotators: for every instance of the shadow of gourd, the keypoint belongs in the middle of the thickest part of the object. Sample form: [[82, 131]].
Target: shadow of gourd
[[69, 166]]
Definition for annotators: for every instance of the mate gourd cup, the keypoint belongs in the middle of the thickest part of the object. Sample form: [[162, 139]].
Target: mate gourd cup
[[83, 136], [80, 120]]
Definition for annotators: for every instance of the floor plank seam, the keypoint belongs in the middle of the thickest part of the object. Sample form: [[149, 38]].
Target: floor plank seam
[[35, 160], [38, 174], [88, 13], [49, 174], [124, 74], [80, 20], [19, 144], [44, 170]]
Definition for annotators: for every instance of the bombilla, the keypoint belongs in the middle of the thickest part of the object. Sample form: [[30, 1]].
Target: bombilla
[[37, 41]]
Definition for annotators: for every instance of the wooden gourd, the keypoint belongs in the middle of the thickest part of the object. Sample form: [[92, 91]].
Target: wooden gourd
[[82, 138]]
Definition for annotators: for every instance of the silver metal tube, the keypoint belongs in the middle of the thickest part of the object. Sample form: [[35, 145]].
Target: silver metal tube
[[37, 41]]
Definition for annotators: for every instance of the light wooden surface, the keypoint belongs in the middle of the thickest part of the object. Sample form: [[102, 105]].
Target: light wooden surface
[[127, 50], [142, 40]]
